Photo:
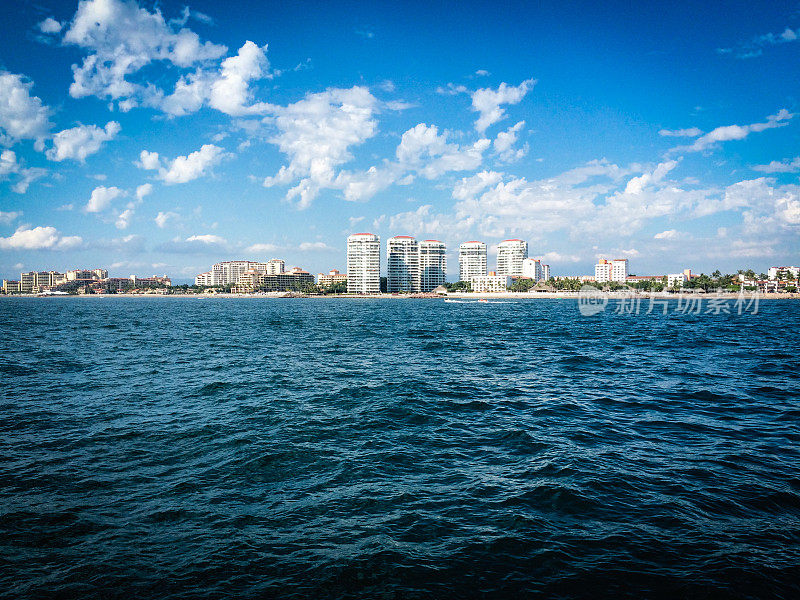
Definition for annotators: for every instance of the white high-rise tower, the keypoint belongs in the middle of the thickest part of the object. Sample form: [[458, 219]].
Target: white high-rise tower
[[471, 260], [402, 258], [510, 254], [363, 264], [432, 264]]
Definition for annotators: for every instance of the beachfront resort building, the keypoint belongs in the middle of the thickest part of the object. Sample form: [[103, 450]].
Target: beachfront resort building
[[493, 282], [471, 260], [331, 278], [510, 254], [783, 273], [363, 264], [402, 264], [10, 286], [275, 266], [432, 265], [228, 272], [611, 270], [295, 279], [534, 268]]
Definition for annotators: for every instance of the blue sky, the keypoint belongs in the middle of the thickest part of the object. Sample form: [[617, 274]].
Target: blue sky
[[160, 138]]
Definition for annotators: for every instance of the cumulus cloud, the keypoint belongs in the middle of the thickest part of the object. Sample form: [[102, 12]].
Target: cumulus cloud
[[206, 239], [183, 169], [735, 132], [49, 25], [226, 89], [124, 218], [102, 197], [489, 103], [637, 184], [39, 238], [776, 166], [22, 116], [7, 217], [144, 190], [504, 144], [12, 168], [81, 141], [163, 218], [316, 133], [120, 39]]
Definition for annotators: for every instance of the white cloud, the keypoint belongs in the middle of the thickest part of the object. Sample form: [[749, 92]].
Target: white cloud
[[22, 116], [690, 132], [226, 89], [102, 197], [754, 47], [11, 168], [207, 239], [786, 166], [39, 238], [124, 219], [144, 190], [489, 102], [7, 217], [504, 144], [637, 184], [163, 218], [262, 248], [735, 132], [49, 25], [314, 247], [82, 141], [122, 38], [316, 133], [183, 169], [556, 257], [669, 234]]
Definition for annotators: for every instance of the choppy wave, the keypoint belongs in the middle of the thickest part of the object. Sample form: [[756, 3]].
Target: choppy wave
[[338, 449]]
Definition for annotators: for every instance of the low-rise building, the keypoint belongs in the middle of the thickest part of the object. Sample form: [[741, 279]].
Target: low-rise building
[[783, 273], [204, 279], [11, 286], [331, 278], [491, 283]]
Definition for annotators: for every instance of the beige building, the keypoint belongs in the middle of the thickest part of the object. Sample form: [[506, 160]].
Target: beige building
[[493, 282], [331, 278], [10, 286]]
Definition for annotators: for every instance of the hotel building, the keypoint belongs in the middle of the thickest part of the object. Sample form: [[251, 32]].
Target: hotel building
[[783, 273], [611, 270], [535, 269], [296, 279], [228, 272], [333, 277], [493, 282], [402, 260], [363, 264], [510, 254], [471, 260], [432, 265]]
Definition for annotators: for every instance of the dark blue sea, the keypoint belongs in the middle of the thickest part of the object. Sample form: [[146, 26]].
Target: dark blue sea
[[327, 448]]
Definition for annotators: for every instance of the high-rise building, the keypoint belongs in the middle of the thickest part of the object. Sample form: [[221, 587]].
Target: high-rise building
[[535, 269], [228, 272], [37, 281], [611, 270], [363, 264], [402, 260], [510, 254], [432, 265], [275, 266], [471, 260], [205, 279]]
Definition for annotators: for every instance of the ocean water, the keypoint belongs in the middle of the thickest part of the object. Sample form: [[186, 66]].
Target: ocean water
[[327, 448]]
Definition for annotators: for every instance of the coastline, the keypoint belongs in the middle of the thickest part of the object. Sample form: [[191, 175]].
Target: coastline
[[565, 295]]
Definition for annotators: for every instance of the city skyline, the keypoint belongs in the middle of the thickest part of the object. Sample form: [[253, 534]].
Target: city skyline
[[233, 134]]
